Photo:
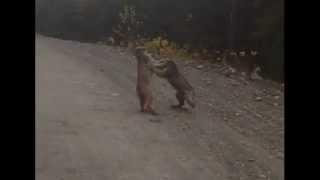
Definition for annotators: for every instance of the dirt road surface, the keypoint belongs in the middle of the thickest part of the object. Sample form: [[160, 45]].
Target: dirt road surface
[[88, 124]]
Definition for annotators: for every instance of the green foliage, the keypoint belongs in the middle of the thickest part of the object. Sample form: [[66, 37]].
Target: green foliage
[[269, 30], [205, 24], [129, 24]]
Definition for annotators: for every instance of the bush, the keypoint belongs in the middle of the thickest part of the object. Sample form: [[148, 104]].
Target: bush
[[166, 48], [127, 29]]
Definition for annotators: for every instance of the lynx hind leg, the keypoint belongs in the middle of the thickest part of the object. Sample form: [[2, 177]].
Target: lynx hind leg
[[152, 112], [190, 98], [141, 98], [148, 106], [180, 97], [142, 104]]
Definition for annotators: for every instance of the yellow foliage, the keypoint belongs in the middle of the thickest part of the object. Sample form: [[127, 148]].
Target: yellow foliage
[[164, 43], [165, 48]]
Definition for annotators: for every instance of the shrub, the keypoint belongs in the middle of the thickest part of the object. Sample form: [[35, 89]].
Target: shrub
[[166, 48]]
